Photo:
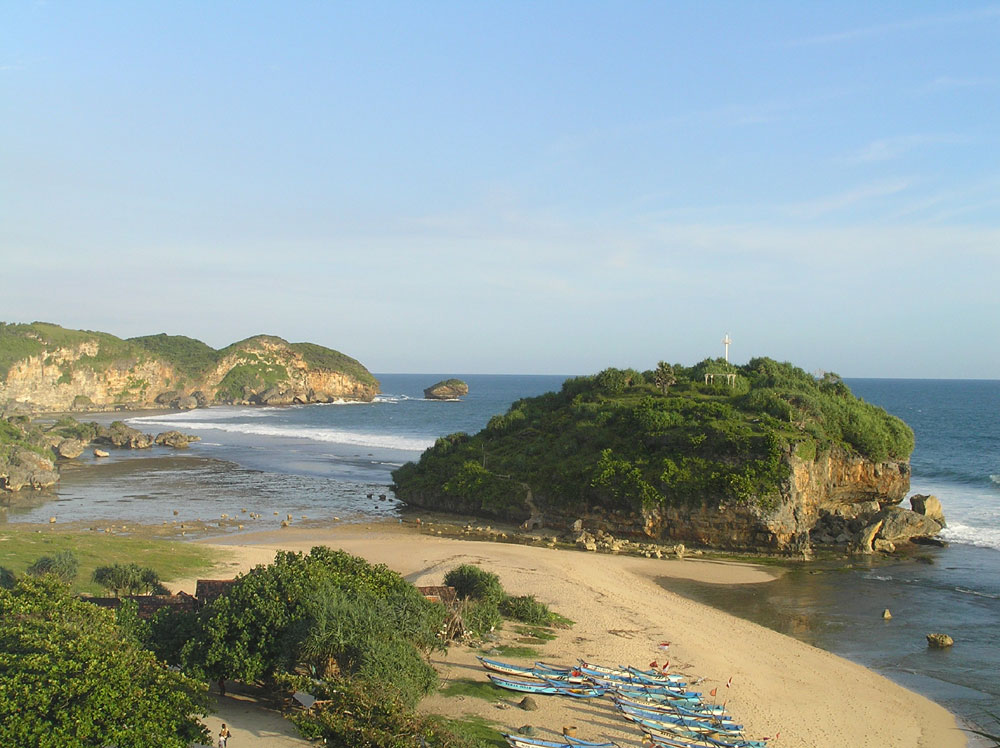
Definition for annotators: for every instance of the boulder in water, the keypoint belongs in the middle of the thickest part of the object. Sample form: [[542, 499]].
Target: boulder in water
[[939, 641]]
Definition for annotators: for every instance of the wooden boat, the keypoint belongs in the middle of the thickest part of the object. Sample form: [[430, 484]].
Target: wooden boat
[[668, 721], [714, 723], [520, 671], [546, 687], [630, 680], [505, 667], [522, 686], [634, 691], [682, 707], [671, 741], [520, 741], [628, 671], [655, 677]]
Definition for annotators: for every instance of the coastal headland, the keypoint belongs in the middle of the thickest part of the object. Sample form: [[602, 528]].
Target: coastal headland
[[778, 685]]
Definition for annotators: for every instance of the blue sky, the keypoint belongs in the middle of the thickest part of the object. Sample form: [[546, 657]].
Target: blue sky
[[514, 187]]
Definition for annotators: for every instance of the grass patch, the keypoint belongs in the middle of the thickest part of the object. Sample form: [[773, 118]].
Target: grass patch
[[532, 640], [536, 632], [507, 650], [19, 548], [477, 730], [477, 689]]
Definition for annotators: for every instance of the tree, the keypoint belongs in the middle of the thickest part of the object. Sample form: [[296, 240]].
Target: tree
[[664, 376], [70, 678], [128, 579]]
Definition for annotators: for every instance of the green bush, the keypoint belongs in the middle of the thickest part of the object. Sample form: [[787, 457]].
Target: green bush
[[482, 616], [355, 715], [129, 579], [63, 566], [473, 583], [527, 609]]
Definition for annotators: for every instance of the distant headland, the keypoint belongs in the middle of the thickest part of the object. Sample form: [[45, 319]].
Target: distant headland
[[45, 367]]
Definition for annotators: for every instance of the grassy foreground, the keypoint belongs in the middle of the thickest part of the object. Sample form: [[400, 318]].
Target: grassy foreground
[[21, 546]]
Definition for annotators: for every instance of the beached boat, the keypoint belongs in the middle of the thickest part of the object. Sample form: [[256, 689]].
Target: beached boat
[[672, 741], [710, 723], [629, 679], [669, 722], [520, 741], [627, 671], [681, 707], [546, 687], [506, 668], [523, 686], [653, 693]]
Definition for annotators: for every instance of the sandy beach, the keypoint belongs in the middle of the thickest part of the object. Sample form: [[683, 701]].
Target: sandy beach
[[779, 685]]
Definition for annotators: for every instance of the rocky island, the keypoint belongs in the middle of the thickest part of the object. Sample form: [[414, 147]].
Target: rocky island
[[447, 389], [762, 457], [45, 367]]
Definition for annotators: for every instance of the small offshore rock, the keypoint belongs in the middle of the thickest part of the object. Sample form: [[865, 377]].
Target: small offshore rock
[[886, 615], [101, 453], [939, 641]]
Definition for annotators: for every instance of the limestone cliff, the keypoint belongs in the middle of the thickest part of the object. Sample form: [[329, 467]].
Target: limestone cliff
[[45, 367]]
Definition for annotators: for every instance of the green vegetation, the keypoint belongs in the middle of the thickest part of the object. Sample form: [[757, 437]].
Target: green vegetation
[[73, 678], [254, 375], [476, 730], [128, 579], [485, 603], [509, 650], [319, 357], [190, 357], [22, 546], [329, 612], [624, 439], [64, 566], [353, 716], [477, 689]]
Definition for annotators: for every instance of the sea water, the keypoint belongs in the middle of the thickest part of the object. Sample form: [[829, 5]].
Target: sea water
[[323, 461]]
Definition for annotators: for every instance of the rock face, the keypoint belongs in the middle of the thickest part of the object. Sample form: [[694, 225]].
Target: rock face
[[448, 389], [24, 468], [120, 435], [929, 506], [175, 439], [835, 499], [69, 448], [87, 371]]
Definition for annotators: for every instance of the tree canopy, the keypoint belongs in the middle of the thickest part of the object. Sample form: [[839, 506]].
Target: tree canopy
[[622, 439], [71, 678]]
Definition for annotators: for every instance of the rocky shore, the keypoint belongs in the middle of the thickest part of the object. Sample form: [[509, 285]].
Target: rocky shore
[[30, 452]]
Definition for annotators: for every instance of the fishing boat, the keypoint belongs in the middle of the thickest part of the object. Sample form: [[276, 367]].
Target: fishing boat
[[505, 667], [710, 723], [672, 741], [546, 687], [653, 693], [628, 671], [523, 686], [667, 721], [629, 679], [520, 741], [681, 707]]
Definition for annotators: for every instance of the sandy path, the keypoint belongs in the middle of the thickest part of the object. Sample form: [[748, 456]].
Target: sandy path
[[779, 684]]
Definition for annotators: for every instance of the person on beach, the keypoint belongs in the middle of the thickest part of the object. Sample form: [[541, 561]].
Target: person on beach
[[223, 736]]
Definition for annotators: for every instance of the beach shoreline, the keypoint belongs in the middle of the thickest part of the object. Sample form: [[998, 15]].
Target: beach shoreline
[[778, 684]]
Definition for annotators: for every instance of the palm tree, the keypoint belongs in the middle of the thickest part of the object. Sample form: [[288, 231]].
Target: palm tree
[[664, 376]]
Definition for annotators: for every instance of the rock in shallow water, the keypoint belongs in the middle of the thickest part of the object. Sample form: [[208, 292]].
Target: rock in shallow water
[[939, 641]]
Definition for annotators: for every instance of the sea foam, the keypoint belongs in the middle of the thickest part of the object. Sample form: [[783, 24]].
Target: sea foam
[[333, 436]]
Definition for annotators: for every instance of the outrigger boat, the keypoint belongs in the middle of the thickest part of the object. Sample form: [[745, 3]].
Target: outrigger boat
[[546, 687], [706, 722], [520, 741], [527, 672], [628, 672], [683, 724], [687, 708]]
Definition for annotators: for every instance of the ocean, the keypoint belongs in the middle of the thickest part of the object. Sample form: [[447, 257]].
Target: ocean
[[324, 461]]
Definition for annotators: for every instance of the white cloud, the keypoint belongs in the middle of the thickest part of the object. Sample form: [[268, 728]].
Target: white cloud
[[891, 148]]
